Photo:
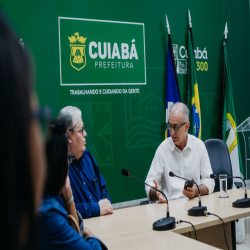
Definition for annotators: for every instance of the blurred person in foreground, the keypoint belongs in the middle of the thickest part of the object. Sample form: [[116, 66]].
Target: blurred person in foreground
[[23, 166], [183, 154], [88, 185], [55, 230]]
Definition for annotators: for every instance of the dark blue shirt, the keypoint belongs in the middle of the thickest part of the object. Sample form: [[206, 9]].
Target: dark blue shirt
[[88, 185], [55, 231]]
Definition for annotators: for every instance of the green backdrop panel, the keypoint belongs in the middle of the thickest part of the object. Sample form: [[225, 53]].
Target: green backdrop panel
[[125, 123]]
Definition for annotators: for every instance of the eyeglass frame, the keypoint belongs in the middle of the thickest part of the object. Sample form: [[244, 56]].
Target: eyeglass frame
[[77, 129], [175, 127]]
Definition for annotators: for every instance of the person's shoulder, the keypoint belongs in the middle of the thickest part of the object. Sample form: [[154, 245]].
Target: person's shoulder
[[53, 218], [48, 202], [51, 204], [87, 154], [166, 143], [196, 141]]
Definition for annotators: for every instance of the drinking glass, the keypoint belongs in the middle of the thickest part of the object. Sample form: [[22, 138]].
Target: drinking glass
[[223, 186]]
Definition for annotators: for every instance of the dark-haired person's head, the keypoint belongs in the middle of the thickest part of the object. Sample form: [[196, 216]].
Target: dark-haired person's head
[[57, 157], [23, 159]]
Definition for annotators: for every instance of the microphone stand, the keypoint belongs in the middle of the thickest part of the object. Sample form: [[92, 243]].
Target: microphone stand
[[166, 223], [199, 210], [194, 211], [244, 202]]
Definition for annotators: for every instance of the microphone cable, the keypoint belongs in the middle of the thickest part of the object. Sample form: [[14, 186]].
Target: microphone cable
[[180, 221], [208, 213]]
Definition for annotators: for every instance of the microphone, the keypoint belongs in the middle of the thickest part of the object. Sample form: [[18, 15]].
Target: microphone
[[163, 224], [213, 176], [194, 211], [240, 203]]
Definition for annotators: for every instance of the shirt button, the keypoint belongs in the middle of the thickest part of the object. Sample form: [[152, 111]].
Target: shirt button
[[90, 197], [83, 183]]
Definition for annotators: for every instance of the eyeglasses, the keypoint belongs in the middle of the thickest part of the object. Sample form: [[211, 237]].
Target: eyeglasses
[[71, 157], [175, 127], [79, 130]]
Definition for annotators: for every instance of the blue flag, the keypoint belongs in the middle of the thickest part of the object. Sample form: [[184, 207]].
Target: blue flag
[[172, 93]]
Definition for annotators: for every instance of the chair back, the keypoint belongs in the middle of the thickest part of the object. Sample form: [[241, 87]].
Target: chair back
[[144, 203], [220, 161]]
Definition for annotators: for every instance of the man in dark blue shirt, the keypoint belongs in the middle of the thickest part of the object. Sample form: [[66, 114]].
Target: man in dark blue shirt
[[88, 185]]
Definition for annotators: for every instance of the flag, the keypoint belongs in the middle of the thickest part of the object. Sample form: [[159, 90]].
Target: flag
[[230, 136], [172, 89], [193, 101]]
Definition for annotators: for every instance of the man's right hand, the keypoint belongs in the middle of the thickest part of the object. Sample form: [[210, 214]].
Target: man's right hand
[[158, 194], [105, 207]]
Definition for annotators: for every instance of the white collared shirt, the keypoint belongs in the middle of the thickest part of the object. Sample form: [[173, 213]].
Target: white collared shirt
[[191, 162]]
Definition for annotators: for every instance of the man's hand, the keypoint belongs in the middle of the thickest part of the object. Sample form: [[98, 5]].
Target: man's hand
[[158, 194], [190, 191], [87, 232], [105, 207]]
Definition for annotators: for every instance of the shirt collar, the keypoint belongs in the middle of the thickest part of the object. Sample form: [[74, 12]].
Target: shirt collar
[[75, 161], [172, 144], [188, 145], [189, 142]]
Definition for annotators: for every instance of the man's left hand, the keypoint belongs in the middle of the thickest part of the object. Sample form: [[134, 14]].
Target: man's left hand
[[190, 191]]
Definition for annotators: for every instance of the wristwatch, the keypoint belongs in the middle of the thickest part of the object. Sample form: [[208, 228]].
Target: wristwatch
[[69, 201]]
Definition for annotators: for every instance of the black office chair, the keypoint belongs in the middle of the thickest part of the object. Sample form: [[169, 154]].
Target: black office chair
[[220, 161]]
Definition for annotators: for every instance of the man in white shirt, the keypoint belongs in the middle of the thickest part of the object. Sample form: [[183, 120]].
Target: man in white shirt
[[183, 154]]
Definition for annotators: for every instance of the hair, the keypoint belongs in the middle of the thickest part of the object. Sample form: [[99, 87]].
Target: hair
[[182, 108], [70, 116], [57, 161], [17, 199]]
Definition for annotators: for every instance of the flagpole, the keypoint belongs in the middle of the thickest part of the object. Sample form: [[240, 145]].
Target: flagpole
[[190, 28], [189, 84], [226, 31], [172, 56], [193, 99], [223, 80]]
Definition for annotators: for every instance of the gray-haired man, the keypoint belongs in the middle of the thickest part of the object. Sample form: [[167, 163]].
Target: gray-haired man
[[183, 154], [88, 185]]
